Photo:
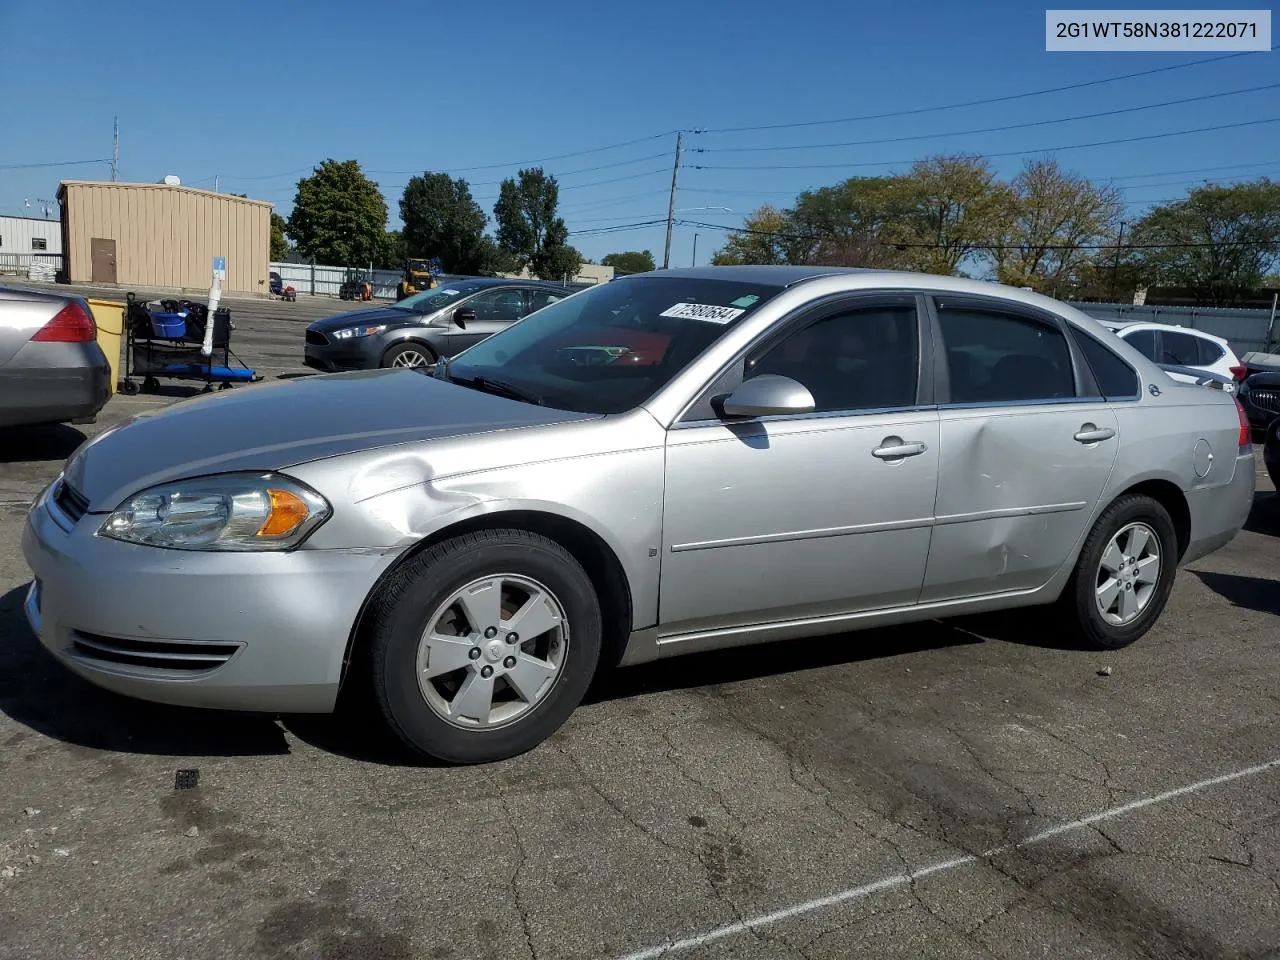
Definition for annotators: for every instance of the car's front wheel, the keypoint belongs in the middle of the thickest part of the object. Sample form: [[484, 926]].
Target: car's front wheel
[[482, 645], [1124, 575], [411, 355]]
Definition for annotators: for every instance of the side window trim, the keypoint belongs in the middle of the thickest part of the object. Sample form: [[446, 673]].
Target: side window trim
[[1082, 378], [729, 377]]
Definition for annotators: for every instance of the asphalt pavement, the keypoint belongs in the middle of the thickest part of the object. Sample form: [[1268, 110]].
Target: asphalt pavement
[[960, 789]]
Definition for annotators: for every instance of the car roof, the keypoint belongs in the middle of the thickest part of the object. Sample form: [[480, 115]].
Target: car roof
[[500, 282], [1157, 325], [777, 276]]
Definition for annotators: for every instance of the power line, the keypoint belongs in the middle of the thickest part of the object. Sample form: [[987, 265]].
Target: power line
[[1009, 126], [572, 186], [1170, 173], [54, 163], [558, 156], [1005, 153], [984, 102]]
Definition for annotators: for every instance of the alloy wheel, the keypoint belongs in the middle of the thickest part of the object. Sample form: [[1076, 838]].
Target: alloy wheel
[[492, 651], [1128, 574], [410, 358]]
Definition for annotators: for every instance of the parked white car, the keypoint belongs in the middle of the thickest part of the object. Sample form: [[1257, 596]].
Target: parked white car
[[1170, 345]]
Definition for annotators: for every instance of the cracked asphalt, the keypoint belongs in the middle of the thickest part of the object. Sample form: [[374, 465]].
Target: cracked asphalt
[[684, 797]]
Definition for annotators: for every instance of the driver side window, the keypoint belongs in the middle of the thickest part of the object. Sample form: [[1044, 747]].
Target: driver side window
[[498, 306], [864, 358]]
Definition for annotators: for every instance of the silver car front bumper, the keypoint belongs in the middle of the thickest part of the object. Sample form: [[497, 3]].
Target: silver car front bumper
[[239, 631]]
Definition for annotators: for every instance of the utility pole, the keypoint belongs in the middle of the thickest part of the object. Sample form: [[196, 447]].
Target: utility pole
[[694, 262], [671, 206], [115, 147], [1115, 267], [215, 183]]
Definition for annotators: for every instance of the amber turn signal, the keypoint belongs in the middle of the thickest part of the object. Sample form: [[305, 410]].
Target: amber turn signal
[[287, 511]]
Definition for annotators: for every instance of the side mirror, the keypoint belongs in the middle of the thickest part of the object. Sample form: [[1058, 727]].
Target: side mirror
[[768, 395], [462, 316]]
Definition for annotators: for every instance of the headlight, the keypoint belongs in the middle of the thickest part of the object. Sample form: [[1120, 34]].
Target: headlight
[[235, 511], [349, 333]]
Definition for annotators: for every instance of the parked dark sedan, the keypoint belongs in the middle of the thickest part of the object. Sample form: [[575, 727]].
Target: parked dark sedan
[[1260, 397], [428, 326], [51, 367]]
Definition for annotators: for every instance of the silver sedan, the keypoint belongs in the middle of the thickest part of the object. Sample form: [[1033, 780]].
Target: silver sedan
[[679, 461]]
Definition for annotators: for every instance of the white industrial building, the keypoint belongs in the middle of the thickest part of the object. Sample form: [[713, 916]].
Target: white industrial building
[[30, 247], [30, 235]]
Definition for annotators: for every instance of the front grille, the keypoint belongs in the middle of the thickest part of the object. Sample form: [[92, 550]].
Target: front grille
[[316, 339], [190, 656], [70, 501], [1267, 400]]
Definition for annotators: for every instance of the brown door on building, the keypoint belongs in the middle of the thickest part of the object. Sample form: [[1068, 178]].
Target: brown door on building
[[102, 254]]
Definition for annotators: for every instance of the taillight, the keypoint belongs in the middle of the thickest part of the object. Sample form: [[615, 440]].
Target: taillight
[[1246, 434], [69, 325], [1239, 371]]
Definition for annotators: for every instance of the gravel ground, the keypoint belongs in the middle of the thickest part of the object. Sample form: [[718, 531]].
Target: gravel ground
[[863, 796]]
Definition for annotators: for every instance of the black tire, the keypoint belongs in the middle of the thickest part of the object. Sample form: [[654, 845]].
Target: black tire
[[389, 358], [150, 385], [1078, 601], [397, 618], [128, 388]]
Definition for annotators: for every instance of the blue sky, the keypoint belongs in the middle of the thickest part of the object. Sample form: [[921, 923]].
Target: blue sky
[[256, 93]]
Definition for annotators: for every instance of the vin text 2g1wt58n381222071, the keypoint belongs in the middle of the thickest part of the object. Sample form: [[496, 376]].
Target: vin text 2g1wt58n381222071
[[677, 461]]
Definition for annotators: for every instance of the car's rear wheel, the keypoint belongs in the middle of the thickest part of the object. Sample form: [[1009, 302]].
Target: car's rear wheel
[[411, 355], [1124, 574], [481, 646]]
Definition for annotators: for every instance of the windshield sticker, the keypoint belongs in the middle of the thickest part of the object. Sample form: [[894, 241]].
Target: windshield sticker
[[745, 302], [702, 311], [450, 293]]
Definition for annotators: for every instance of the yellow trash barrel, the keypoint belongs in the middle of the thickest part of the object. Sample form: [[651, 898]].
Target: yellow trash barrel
[[109, 317]]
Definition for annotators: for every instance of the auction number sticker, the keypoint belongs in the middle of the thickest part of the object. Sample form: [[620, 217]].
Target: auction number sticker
[[702, 311]]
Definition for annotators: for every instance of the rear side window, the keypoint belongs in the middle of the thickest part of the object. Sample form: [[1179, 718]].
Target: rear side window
[[995, 357], [1210, 352], [1116, 379], [1144, 341], [1179, 348]]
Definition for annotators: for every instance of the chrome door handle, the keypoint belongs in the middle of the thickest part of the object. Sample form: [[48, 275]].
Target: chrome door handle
[[1091, 434], [895, 448]]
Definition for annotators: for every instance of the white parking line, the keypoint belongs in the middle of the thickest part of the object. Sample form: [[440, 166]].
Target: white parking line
[[902, 879]]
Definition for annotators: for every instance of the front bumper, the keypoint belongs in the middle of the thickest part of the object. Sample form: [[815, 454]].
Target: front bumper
[[238, 631], [337, 356]]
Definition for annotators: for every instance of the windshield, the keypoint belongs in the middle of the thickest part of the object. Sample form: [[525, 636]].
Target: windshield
[[437, 298], [611, 347]]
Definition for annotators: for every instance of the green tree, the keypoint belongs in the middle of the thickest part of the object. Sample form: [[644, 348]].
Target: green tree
[[339, 217], [530, 234], [391, 254], [630, 261], [1056, 216], [279, 242], [946, 209], [442, 219], [846, 225], [1218, 242], [763, 239]]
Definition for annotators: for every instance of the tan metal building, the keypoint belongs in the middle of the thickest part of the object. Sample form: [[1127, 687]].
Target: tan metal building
[[157, 236]]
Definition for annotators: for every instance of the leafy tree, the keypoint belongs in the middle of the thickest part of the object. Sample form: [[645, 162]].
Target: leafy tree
[[391, 255], [945, 210], [441, 219], [339, 217], [1055, 214], [762, 240], [530, 234], [847, 224], [630, 261], [1218, 243], [279, 242]]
